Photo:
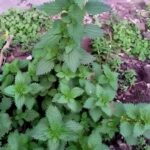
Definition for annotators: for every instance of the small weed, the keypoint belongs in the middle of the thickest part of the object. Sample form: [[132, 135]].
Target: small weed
[[25, 26]]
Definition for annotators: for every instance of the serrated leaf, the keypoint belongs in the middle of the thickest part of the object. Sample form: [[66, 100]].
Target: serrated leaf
[[95, 114], [30, 101], [89, 103], [48, 40], [5, 124], [44, 67], [10, 90], [126, 129], [19, 101], [53, 144], [89, 88], [51, 8], [94, 140], [131, 111], [72, 60], [138, 130], [95, 7], [17, 141], [86, 58], [93, 31], [54, 116], [75, 32], [81, 3], [74, 126], [30, 115], [5, 104], [76, 92], [35, 88], [74, 105], [40, 132]]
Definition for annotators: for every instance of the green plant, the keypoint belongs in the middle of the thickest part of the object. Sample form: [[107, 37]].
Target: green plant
[[63, 98], [134, 121], [127, 37], [142, 145], [129, 79], [26, 26]]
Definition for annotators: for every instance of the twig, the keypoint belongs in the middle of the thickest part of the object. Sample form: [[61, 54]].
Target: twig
[[5, 47]]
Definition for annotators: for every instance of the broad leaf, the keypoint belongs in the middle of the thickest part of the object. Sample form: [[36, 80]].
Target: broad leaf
[[40, 132], [93, 31], [96, 7], [95, 114], [19, 101], [126, 129], [76, 92], [44, 67], [54, 116], [81, 3], [10, 90], [72, 60], [5, 124], [53, 144]]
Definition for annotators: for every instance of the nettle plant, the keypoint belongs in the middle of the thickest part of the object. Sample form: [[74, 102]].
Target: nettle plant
[[63, 98]]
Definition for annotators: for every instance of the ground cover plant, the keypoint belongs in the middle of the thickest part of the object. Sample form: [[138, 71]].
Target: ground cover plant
[[26, 26], [65, 98]]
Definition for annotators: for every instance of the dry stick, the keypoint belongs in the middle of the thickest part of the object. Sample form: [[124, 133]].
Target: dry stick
[[6, 46]]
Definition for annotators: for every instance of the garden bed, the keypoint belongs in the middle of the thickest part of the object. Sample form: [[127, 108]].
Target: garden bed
[[72, 82]]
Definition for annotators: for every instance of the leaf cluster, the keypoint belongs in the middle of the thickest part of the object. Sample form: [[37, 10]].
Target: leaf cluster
[[25, 26]]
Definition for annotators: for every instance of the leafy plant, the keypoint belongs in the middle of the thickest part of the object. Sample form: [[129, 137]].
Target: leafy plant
[[63, 98], [56, 131], [130, 39], [134, 121], [26, 26], [23, 90], [129, 79]]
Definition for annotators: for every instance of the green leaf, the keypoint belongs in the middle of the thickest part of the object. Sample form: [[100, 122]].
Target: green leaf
[[74, 105], [89, 103], [35, 88], [54, 116], [48, 40], [94, 140], [44, 67], [76, 32], [17, 141], [89, 88], [72, 60], [138, 130], [5, 104], [53, 144], [26, 79], [74, 126], [30, 115], [76, 92], [95, 114], [93, 31], [80, 3], [10, 91], [29, 102], [40, 132], [95, 7], [131, 111], [64, 88], [51, 8], [86, 58], [126, 129], [5, 124], [19, 101]]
